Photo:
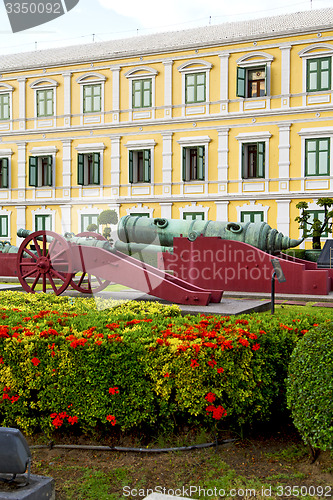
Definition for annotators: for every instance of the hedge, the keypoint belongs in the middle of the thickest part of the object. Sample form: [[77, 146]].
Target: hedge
[[310, 387], [90, 365]]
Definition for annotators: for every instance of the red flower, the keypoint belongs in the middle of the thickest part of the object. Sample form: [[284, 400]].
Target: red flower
[[1, 361], [194, 363], [113, 390], [210, 397], [244, 342], [167, 375], [35, 361], [219, 412], [72, 420], [112, 326], [220, 370], [111, 419], [212, 363], [255, 347], [14, 398]]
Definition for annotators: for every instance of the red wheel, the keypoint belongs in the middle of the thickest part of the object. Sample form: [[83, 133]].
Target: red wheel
[[85, 282], [48, 262]]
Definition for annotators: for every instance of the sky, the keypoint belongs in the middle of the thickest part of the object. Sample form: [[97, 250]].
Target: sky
[[102, 20]]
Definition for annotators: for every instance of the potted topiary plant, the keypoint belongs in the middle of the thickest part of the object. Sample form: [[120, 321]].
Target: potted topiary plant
[[315, 227], [105, 218]]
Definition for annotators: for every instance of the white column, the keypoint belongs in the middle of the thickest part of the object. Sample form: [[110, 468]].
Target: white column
[[222, 162], [168, 88], [284, 156], [66, 218], [283, 216], [222, 210], [20, 222], [224, 81], [167, 162], [115, 165], [22, 100], [115, 92], [66, 167], [21, 167], [67, 98], [285, 75], [166, 210]]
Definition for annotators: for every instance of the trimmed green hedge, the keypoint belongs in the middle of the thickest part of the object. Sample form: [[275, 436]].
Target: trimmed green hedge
[[90, 364], [310, 388]]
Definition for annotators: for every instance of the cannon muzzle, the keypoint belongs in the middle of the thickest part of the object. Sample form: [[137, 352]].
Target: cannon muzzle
[[132, 229]]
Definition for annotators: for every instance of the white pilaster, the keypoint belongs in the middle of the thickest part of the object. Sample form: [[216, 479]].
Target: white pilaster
[[115, 165], [222, 210], [22, 101], [67, 98], [167, 162], [224, 81], [283, 216], [66, 218], [284, 156], [222, 162], [166, 210], [168, 88], [20, 221], [115, 92], [21, 167], [66, 167], [285, 75]]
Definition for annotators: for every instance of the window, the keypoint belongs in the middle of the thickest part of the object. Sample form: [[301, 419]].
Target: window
[[88, 168], [253, 160], [140, 166], [140, 214], [315, 214], [45, 102], [4, 107], [194, 163], [43, 222], [4, 226], [318, 75], [92, 98], [87, 220], [3, 172], [193, 215], [40, 171], [251, 82], [142, 93], [195, 88], [317, 156], [252, 216]]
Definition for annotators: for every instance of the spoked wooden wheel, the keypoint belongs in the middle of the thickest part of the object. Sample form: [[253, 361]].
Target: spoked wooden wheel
[[84, 281], [44, 258]]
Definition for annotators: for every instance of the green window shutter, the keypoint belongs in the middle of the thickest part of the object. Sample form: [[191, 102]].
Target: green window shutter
[[96, 168], [146, 169], [261, 159], [33, 164], [244, 163], [49, 170], [184, 165], [130, 167], [241, 82], [4, 171], [201, 163], [80, 169]]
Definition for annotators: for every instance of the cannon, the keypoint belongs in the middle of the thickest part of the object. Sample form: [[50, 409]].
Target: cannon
[[88, 263], [161, 232]]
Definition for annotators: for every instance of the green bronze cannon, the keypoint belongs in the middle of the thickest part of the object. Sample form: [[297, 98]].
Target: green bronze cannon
[[161, 232]]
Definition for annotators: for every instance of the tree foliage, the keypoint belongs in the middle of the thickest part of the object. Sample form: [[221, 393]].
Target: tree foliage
[[315, 228]]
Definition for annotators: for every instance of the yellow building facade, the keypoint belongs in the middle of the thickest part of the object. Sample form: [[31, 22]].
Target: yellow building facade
[[228, 122]]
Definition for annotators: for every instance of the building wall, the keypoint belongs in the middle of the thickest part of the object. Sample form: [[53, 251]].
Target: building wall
[[223, 127]]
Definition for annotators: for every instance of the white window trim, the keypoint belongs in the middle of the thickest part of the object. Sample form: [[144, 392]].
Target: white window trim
[[8, 214], [45, 151], [253, 60], [45, 84], [248, 138], [142, 73], [252, 207], [193, 208], [313, 52], [8, 89], [195, 66], [319, 133], [140, 209], [44, 211], [143, 144], [90, 210], [187, 142], [92, 79], [88, 148]]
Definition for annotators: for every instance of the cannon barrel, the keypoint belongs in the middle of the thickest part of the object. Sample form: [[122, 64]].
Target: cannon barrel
[[133, 229], [133, 248]]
